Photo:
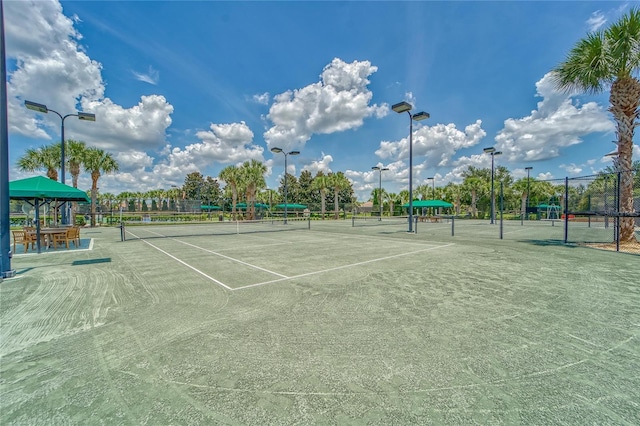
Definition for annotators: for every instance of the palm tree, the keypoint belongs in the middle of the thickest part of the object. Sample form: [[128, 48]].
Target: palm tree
[[610, 60], [403, 196], [232, 176], [454, 192], [475, 185], [422, 191], [75, 152], [46, 157], [321, 183], [391, 198], [253, 176], [377, 195], [97, 162], [338, 182]]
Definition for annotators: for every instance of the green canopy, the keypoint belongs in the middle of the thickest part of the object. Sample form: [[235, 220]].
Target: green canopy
[[205, 207], [42, 188], [291, 206], [418, 204], [257, 205]]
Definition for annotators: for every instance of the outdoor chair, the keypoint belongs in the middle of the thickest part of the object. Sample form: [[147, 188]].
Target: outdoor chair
[[74, 236], [31, 234], [60, 238], [24, 238]]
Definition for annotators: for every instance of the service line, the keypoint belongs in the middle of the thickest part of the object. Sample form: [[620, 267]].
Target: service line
[[340, 267]]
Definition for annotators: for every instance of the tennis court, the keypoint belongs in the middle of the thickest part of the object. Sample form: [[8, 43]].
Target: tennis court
[[336, 324]]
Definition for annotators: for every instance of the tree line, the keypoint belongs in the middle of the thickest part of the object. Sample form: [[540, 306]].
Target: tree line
[[78, 157], [245, 183]]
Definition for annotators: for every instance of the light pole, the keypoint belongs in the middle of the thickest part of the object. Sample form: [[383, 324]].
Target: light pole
[[5, 231], [493, 152], [286, 154], [85, 116], [380, 169], [526, 208], [433, 187], [406, 107]]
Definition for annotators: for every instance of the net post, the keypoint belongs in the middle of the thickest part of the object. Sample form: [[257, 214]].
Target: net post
[[309, 222], [453, 220], [122, 232], [353, 221]]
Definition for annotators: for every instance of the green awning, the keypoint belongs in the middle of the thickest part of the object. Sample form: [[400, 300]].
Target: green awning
[[257, 206], [205, 207], [418, 204], [291, 206], [42, 188]]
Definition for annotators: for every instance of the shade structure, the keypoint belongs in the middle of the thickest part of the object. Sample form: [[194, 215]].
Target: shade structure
[[42, 188], [205, 207], [257, 206], [418, 204], [291, 206]]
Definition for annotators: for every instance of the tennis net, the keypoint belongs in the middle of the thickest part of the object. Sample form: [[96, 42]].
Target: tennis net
[[376, 221], [175, 230]]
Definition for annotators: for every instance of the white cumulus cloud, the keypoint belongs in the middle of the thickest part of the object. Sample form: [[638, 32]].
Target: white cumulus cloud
[[558, 122], [338, 102], [437, 143], [52, 68]]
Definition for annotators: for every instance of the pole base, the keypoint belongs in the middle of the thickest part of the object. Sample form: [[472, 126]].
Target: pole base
[[8, 274]]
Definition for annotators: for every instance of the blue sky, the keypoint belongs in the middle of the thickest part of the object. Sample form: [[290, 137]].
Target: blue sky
[[179, 87]]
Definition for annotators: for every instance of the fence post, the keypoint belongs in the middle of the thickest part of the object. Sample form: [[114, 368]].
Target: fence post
[[618, 211]]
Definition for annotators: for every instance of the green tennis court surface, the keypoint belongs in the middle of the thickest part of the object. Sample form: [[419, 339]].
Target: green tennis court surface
[[339, 324]]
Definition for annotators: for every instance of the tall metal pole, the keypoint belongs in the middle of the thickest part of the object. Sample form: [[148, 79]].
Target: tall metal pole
[[406, 107], [410, 172], [5, 239], [285, 187], [528, 169], [493, 200], [62, 167], [380, 195]]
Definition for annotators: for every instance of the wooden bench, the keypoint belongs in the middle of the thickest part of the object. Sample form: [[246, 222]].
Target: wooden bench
[[434, 219]]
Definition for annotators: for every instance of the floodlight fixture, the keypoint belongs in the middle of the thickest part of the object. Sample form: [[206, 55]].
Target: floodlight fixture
[[489, 150], [419, 116], [36, 107], [402, 107], [86, 116]]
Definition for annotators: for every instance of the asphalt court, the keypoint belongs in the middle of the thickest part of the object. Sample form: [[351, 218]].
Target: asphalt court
[[242, 261]]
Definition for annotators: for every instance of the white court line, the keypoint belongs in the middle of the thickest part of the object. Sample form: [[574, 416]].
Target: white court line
[[184, 263], [340, 267], [231, 258]]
